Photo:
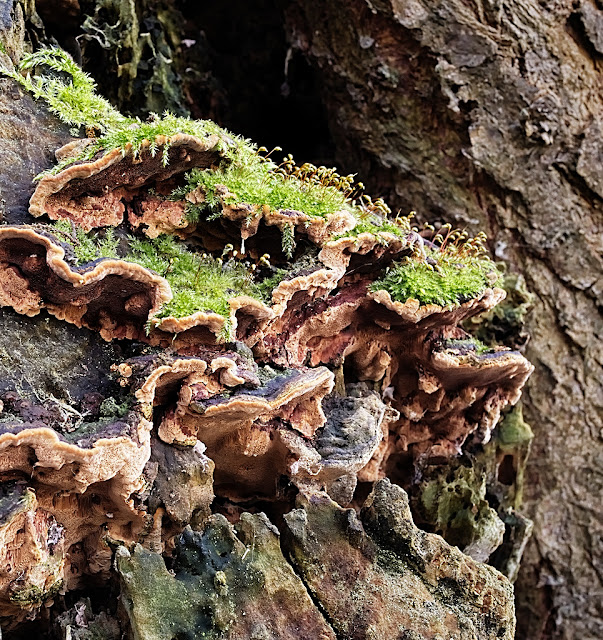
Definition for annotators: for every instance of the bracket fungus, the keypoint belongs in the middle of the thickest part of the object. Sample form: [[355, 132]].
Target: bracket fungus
[[251, 421], [97, 192], [71, 489], [317, 372], [112, 296]]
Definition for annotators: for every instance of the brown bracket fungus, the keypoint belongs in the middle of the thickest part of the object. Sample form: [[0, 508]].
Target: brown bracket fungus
[[81, 484], [255, 223], [112, 296], [252, 422], [246, 318], [96, 192]]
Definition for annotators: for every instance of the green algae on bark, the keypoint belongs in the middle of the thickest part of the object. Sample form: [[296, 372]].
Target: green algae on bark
[[474, 502], [227, 582]]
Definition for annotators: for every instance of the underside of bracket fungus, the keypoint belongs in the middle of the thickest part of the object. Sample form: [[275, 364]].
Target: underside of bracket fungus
[[240, 382], [95, 192], [112, 296]]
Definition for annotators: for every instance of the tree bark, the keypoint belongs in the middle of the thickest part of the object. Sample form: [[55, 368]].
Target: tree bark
[[489, 115]]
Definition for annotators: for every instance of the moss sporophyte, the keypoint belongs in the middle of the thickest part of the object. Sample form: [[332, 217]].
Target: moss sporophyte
[[444, 267]]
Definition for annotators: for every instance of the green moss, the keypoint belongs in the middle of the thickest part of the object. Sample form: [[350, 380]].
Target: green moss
[[87, 247], [75, 102], [254, 180], [136, 132], [451, 280], [2, 47], [199, 283]]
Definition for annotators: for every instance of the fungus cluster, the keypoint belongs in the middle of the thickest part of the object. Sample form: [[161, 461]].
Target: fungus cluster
[[307, 370]]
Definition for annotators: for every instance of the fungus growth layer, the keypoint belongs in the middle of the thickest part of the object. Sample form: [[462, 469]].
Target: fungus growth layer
[[286, 336]]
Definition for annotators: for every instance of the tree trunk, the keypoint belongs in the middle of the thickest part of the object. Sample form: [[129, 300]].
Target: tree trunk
[[490, 115], [487, 115]]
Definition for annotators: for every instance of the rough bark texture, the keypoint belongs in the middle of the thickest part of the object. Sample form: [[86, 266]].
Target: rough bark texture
[[490, 115]]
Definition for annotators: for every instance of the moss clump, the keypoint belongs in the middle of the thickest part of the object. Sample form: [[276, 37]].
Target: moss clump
[[87, 247], [70, 94], [377, 228], [73, 101], [445, 279], [198, 282], [372, 217], [132, 133], [255, 180]]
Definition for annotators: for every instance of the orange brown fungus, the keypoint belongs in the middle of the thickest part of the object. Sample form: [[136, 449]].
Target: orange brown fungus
[[111, 296], [63, 493], [255, 424], [247, 316], [322, 316], [254, 220], [442, 398], [98, 192]]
